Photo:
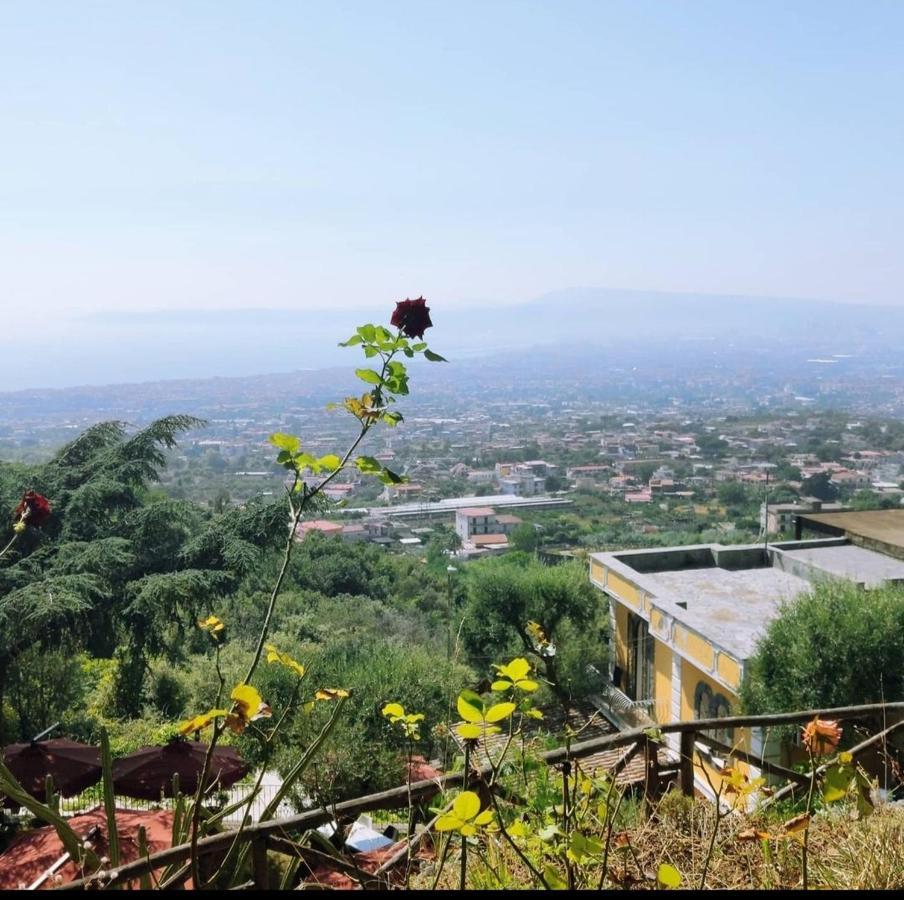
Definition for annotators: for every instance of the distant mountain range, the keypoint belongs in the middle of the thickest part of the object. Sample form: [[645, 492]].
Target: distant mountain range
[[121, 347]]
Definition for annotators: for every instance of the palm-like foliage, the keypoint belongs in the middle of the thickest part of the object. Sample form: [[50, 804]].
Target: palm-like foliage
[[114, 566]]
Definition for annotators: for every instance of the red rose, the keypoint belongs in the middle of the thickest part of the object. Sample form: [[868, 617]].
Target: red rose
[[412, 317], [33, 508]]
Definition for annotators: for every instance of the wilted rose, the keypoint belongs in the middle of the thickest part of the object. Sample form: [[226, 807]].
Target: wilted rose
[[33, 508], [821, 736], [411, 317]]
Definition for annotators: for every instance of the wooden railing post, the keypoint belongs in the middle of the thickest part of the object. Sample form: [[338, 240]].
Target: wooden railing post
[[686, 762], [259, 869]]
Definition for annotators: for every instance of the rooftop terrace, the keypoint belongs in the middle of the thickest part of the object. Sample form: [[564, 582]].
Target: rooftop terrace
[[729, 594]]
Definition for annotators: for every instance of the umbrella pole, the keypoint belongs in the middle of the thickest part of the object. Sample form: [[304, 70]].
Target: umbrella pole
[[44, 733], [46, 874]]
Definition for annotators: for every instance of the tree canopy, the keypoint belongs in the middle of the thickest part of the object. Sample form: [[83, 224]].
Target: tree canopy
[[838, 645]]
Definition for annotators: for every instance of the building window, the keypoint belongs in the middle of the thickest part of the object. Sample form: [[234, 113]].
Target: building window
[[639, 683], [711, 705]]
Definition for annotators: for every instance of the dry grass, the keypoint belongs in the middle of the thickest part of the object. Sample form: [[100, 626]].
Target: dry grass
[[844, 853]]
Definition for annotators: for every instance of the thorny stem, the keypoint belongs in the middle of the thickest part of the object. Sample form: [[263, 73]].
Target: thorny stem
[[804, 846], [510, 841], [12, 541], [463, 873], [712, 840], [610, 824], [410, 835], [442, 862], [566, 824], [296, 514]]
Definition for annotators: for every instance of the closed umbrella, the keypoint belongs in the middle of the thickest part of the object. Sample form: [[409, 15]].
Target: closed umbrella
[[147, 773], [72, 765]]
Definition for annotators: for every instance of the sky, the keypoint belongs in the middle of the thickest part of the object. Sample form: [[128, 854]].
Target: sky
[[310, 155]]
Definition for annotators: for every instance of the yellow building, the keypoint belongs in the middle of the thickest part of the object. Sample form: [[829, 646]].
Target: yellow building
[[685, 620]]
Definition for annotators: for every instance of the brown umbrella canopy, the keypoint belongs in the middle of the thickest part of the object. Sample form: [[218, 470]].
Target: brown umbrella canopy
[[74, 766], [31, 855], [147, 773]]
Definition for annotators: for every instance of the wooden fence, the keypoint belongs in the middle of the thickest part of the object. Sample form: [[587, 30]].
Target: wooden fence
[[273, 835]]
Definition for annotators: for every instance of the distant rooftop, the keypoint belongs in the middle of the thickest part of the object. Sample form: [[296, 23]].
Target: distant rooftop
[[451, 504]]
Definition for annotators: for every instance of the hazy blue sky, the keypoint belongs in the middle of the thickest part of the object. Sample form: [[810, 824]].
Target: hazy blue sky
[[307, 154]]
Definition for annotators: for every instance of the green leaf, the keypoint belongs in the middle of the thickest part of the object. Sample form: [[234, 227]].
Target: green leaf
[[837, 781], [668, 876], [419, 347], [381, 334], [352, 341], [553, 879], [434, 357], [305, 460], [392, 418], [367, 465], [387, 476], [369, 375], [371, 352], [368, 332], [287, 442]]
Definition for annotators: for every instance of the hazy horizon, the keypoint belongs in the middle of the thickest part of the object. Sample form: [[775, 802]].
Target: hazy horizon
[[217, 156], [125, 347]]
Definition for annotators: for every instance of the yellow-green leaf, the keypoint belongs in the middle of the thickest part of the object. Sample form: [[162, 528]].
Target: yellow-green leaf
[[517, 669], [198, 723], [469, 731], [525, 684], [466, 805], [331, 694], [448, 823], [499, 711], [668, 876], [468, 711], [287, 442], [330, 462], [500, 685], [247, 699]]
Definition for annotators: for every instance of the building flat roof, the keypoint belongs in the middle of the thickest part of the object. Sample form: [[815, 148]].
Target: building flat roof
[[729, 594], [866, 567], [883, 525], [732, 608]]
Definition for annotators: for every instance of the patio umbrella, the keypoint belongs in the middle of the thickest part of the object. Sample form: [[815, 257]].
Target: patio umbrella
[[38, 858], [147, 773], [74, 766]]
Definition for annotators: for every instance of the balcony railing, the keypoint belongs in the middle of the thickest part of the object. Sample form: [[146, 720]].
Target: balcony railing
[[634, 713]]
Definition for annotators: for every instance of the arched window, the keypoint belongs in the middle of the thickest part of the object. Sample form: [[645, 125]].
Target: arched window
[[711, 705]]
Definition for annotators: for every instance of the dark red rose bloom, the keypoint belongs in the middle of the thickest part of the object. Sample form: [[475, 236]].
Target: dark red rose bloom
[[412, 317], [33, 508]]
